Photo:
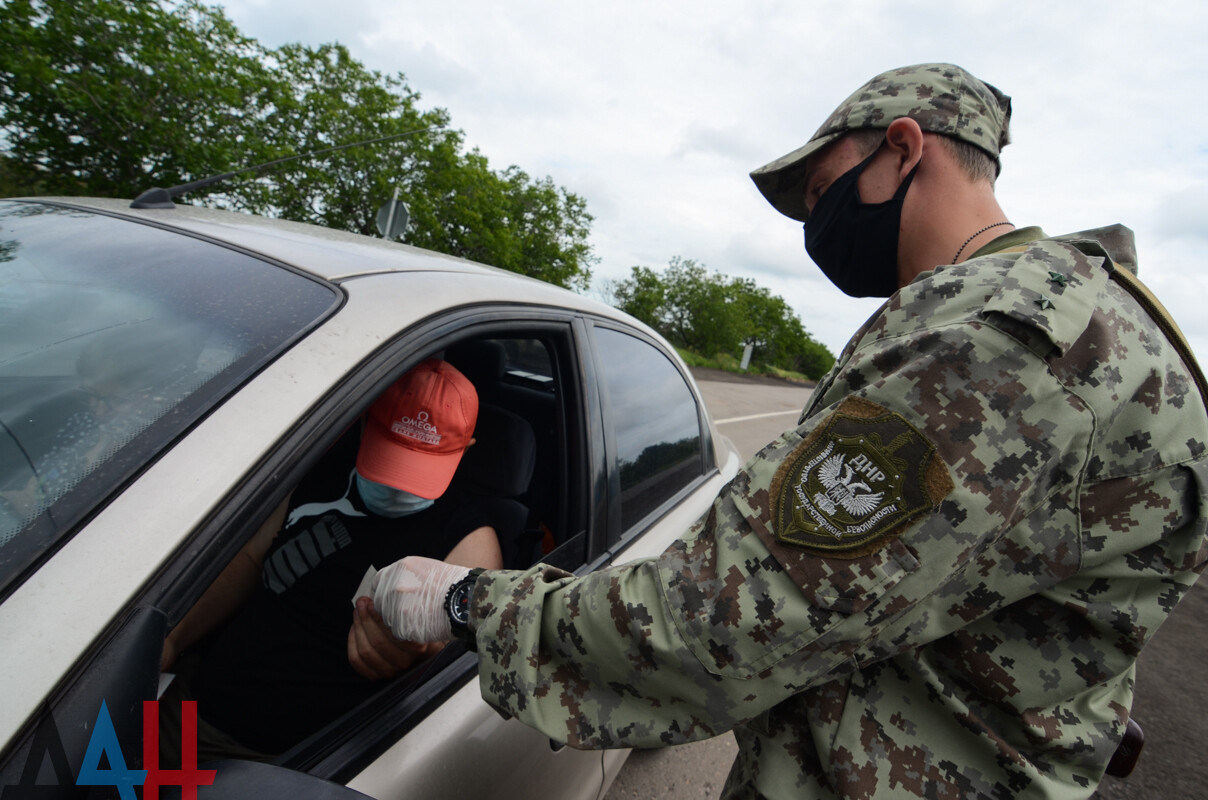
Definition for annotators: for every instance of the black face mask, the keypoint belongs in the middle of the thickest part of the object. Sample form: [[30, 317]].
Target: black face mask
[[855, 243]]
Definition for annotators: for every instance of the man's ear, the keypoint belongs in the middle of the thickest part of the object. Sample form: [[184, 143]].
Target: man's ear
[[904, 138]]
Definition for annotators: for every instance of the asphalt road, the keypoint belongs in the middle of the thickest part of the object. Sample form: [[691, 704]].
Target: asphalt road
[[1171, 699]]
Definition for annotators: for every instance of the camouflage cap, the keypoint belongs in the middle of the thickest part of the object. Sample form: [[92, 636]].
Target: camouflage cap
[[942, 98]]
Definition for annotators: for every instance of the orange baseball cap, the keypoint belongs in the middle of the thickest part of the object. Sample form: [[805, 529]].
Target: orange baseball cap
[[418, 430]]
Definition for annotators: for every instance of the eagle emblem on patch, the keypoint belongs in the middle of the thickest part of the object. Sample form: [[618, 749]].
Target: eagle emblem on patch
[[856, 481]]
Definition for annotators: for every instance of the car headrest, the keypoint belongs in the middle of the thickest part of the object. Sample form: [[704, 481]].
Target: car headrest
[[482, 361], [500, 462]]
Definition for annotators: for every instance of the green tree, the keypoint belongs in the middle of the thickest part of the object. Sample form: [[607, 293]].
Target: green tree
[[814, 359], [320, 98], [111, 97], [776, 333], [701, 312], [693, 308], [107, 96], [505, 219], [643, 295], [712, 313], [16, 180]]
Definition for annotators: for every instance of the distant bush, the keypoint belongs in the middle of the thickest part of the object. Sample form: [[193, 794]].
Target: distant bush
[[730, 364], [715, 316]]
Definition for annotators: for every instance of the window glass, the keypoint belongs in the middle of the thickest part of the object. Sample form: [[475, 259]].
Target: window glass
[[114, 337], [654, 420], [516, 375], [527, 363]]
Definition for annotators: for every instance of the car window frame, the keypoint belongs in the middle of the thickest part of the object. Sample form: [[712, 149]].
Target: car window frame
[[357, 741]]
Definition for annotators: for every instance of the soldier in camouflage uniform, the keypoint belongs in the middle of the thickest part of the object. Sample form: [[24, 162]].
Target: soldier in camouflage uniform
[[938, 584]]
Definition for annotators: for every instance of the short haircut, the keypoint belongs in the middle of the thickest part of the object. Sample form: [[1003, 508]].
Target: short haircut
[[976, 163]]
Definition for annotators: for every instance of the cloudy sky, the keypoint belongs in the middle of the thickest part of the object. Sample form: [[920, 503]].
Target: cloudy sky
[[655, 112]]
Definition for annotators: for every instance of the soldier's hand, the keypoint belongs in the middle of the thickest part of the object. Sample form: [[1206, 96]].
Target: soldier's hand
[[410, 595]]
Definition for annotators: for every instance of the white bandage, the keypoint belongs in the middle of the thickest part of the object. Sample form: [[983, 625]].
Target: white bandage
[[410, 596]]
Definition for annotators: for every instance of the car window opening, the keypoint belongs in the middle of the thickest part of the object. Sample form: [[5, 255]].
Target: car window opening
[[514, 475]]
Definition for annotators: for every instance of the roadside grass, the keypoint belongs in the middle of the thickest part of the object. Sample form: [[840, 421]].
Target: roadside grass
[[729, 363]]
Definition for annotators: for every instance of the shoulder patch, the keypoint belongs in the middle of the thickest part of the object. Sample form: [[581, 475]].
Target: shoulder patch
[[856, 481]]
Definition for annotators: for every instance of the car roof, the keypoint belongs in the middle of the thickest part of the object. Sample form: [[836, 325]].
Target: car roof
[[325, 252], [338, 256]]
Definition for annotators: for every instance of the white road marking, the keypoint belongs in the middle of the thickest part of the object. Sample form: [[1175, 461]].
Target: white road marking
[[794, 411]]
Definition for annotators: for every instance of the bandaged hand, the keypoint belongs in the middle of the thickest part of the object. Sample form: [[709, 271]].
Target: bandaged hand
[[410, 596]]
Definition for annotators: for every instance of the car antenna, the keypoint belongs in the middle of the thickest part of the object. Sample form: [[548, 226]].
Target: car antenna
[[162, 198]]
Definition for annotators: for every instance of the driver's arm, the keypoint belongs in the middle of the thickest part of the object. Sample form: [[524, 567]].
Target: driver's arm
[[228, 591]]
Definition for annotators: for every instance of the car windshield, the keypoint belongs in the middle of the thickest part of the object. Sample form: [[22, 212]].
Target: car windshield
[[114, 338]]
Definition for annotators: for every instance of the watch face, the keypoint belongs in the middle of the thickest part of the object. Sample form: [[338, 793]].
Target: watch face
[[459, 602]]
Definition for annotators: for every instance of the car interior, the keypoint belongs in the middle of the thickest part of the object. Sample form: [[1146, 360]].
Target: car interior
[[517, 435]]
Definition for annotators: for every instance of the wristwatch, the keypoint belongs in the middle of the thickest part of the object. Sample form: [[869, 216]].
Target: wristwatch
[[457, 607]]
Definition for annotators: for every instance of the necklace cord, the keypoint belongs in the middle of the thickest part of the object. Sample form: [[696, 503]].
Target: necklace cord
[[974, 236]]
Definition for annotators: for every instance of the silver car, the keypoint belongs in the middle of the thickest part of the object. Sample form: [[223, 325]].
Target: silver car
[[168, 375]]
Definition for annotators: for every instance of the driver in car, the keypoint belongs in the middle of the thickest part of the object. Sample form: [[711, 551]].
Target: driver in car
[[288, 662]]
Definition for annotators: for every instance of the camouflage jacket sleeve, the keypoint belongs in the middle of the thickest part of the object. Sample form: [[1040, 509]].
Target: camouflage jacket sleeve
[[1006, 433]]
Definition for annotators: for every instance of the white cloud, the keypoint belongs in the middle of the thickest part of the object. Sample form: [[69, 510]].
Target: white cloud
[[1183, 213], [654, 113]]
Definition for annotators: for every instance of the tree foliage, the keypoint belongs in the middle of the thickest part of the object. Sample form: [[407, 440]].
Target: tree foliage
[[103, 96], [111, 97], [711, 313]]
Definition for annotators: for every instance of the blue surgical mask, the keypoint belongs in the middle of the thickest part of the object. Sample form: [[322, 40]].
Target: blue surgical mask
[[386, 501]]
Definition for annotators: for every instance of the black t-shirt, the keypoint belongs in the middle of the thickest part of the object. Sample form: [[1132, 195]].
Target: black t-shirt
[[279, 670]]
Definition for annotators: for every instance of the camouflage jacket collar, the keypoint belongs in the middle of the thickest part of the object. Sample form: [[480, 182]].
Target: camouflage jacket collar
[[1115, 242]]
